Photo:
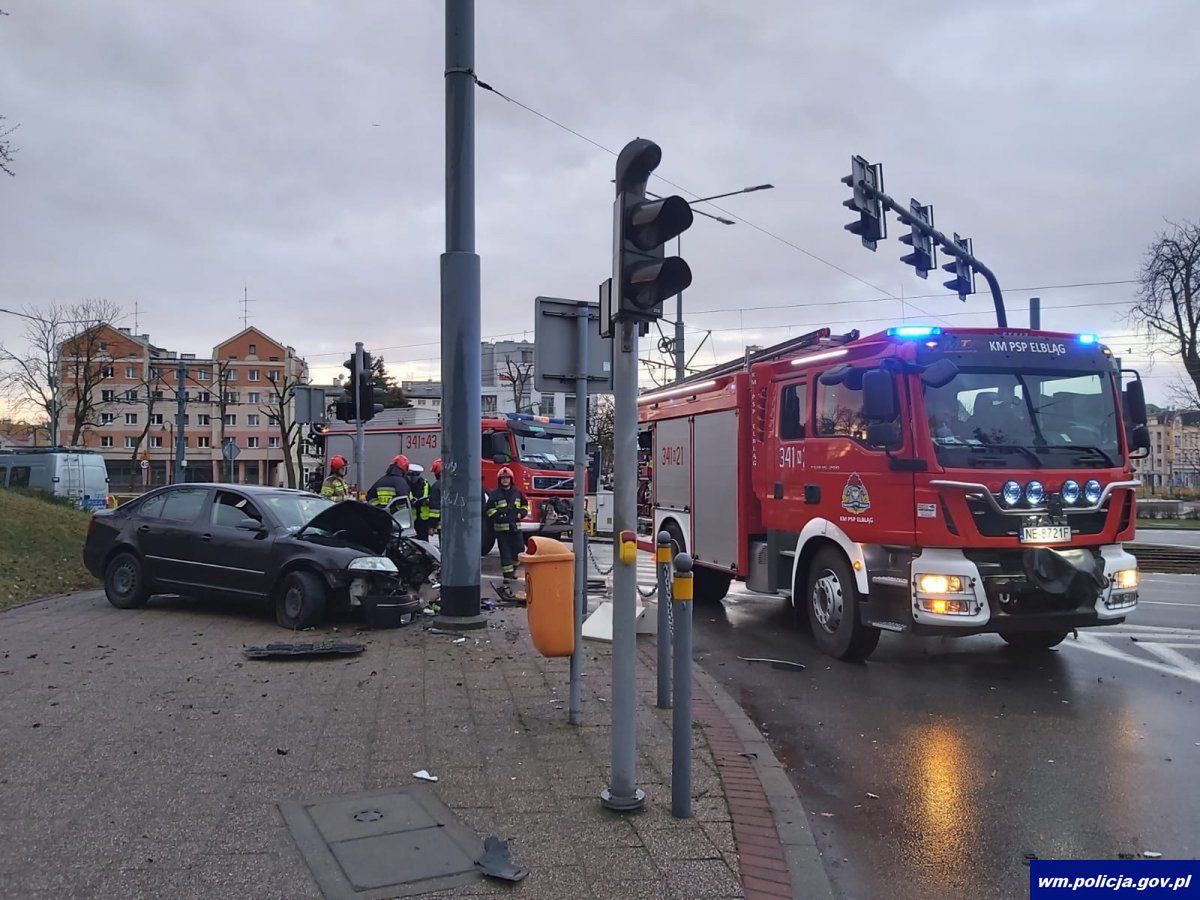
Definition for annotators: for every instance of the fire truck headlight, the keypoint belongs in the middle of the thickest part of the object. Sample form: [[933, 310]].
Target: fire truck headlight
[[1092, 491], [1035, 493], [1126, 580], [946, 607], [940, 584], [1011, 493], [1070, 492]]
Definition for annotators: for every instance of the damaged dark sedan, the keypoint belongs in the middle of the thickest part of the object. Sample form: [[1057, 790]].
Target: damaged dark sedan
[[303, 553]]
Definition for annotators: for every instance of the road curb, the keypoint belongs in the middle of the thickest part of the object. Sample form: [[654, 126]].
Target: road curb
[[750, 752], [67, 596]]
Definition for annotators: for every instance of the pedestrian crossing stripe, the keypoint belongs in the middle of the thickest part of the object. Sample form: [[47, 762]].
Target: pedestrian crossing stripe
[[1163, 644]]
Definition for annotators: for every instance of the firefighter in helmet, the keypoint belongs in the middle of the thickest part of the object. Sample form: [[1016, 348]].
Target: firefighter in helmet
[[335, 487], [506, 507], [391, 484], [418, 495]]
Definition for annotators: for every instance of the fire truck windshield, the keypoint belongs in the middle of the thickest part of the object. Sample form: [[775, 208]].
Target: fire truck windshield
[[547, 451], [1006, 418]]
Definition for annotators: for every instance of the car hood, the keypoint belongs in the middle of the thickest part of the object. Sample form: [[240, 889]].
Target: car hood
[[357, 523]]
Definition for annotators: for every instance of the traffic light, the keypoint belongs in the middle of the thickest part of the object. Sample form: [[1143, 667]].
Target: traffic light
[[924, 255], [343, 407], [963, 281], [872, 221], [643, 274], [370, 397]]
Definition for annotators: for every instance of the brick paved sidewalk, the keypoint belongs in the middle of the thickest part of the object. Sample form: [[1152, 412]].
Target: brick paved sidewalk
[[144, 757]]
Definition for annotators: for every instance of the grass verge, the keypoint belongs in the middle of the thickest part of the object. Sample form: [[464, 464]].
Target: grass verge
[[41, 547], [1168, 523]]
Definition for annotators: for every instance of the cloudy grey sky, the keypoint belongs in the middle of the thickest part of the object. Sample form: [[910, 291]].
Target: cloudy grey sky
[[171, 152]]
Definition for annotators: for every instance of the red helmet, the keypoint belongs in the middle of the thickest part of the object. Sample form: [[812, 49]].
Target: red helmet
[[400, 462], [504, 472], [436, 468], [337, 462]]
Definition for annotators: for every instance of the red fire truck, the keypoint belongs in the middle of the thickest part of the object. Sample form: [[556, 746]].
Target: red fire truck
[[921, 480], [539, 450]]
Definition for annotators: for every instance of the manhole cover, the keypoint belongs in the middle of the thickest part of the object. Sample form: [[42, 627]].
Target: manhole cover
[[383, 844]]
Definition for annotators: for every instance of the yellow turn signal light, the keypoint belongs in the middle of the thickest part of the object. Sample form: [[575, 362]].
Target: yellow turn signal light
[[940, 584], [1126, 579]]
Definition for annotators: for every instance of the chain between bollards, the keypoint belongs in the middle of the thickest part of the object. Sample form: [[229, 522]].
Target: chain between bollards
[[681, 725], [662, 567]]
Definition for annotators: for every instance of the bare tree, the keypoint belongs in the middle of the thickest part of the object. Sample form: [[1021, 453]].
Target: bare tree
[[147, 394], [1168, 305], [7, 150], [603, 426], [518, 374], [30, 378], [281, 412]]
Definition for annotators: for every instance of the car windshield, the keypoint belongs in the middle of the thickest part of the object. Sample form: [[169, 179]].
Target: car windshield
[[992, 418], [555, 449], [294, 511]]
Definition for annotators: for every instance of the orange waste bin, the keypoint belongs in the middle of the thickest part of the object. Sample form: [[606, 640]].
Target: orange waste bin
[[550, 595]]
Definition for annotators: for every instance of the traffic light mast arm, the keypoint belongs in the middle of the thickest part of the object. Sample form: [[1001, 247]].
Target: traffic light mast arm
[[949, 247]]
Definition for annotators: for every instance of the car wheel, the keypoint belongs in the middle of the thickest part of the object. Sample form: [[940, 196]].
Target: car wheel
[[832, 601], [125, 582], [1032, 641], [300, 601]]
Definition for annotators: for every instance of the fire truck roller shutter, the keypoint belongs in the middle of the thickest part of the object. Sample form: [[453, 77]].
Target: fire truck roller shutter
[[715, 530], [823, 528]]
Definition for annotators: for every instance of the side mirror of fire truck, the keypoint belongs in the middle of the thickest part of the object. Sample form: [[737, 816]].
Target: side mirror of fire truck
[[879, 396], [1135, 403], [1139, 440], [501, 458], [940, 373]]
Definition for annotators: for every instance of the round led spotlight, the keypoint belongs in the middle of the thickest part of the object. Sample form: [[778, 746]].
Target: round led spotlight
[[1035, 493], [1070, 492], [1011, 493], [1092, 491]]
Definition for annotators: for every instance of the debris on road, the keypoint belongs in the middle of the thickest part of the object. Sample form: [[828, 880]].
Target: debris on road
[[424, 775], [872, 796], [496, 863], [304, 648], [282, 751], [1151, 854], [775, 663], [461, 640]]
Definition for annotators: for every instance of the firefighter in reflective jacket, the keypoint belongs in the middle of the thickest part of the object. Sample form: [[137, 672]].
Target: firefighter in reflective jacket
[[506, 507], [335, 487], [418, 494], [435, 496], [391, 484]]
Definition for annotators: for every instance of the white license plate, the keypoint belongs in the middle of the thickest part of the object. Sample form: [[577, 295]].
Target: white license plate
[[1046, 534]]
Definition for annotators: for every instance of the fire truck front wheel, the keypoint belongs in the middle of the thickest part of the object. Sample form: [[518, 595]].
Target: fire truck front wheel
[[1029, 641], [832, 601]]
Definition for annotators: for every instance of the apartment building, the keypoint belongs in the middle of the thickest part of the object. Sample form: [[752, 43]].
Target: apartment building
[[1174, 460], [237, 393]]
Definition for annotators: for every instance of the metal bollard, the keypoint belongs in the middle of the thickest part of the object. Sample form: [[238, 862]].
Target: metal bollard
[[681, 725], [662, 567]]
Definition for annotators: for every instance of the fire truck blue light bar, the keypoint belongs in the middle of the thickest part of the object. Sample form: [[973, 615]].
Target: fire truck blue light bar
[[913, 331]]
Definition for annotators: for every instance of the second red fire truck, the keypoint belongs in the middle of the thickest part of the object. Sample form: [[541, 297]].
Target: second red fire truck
[[918, 480]]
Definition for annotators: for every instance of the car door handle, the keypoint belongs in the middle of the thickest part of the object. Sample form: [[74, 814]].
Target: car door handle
[[206, 537], [143, 529]]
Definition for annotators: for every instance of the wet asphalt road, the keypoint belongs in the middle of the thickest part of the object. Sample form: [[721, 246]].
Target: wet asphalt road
[[978, 755]]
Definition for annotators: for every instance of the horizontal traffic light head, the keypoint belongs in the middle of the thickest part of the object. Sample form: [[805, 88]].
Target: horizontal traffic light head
[[654, 222]]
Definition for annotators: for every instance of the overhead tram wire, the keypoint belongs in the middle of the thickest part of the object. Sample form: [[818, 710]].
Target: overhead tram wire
[[776, 237]]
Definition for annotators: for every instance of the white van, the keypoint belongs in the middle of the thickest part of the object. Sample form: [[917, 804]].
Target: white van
[[79, 475]]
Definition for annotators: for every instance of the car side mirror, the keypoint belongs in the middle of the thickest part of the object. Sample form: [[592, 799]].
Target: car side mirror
[[940, 373], [879, 396], [248, 524], [1135, 403]]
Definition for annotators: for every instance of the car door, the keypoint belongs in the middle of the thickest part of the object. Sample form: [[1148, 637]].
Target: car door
[[168, 542], [234, 560]]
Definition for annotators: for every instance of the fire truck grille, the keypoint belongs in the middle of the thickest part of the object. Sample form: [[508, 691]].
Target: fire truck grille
[[993, 524], [553, 483]]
